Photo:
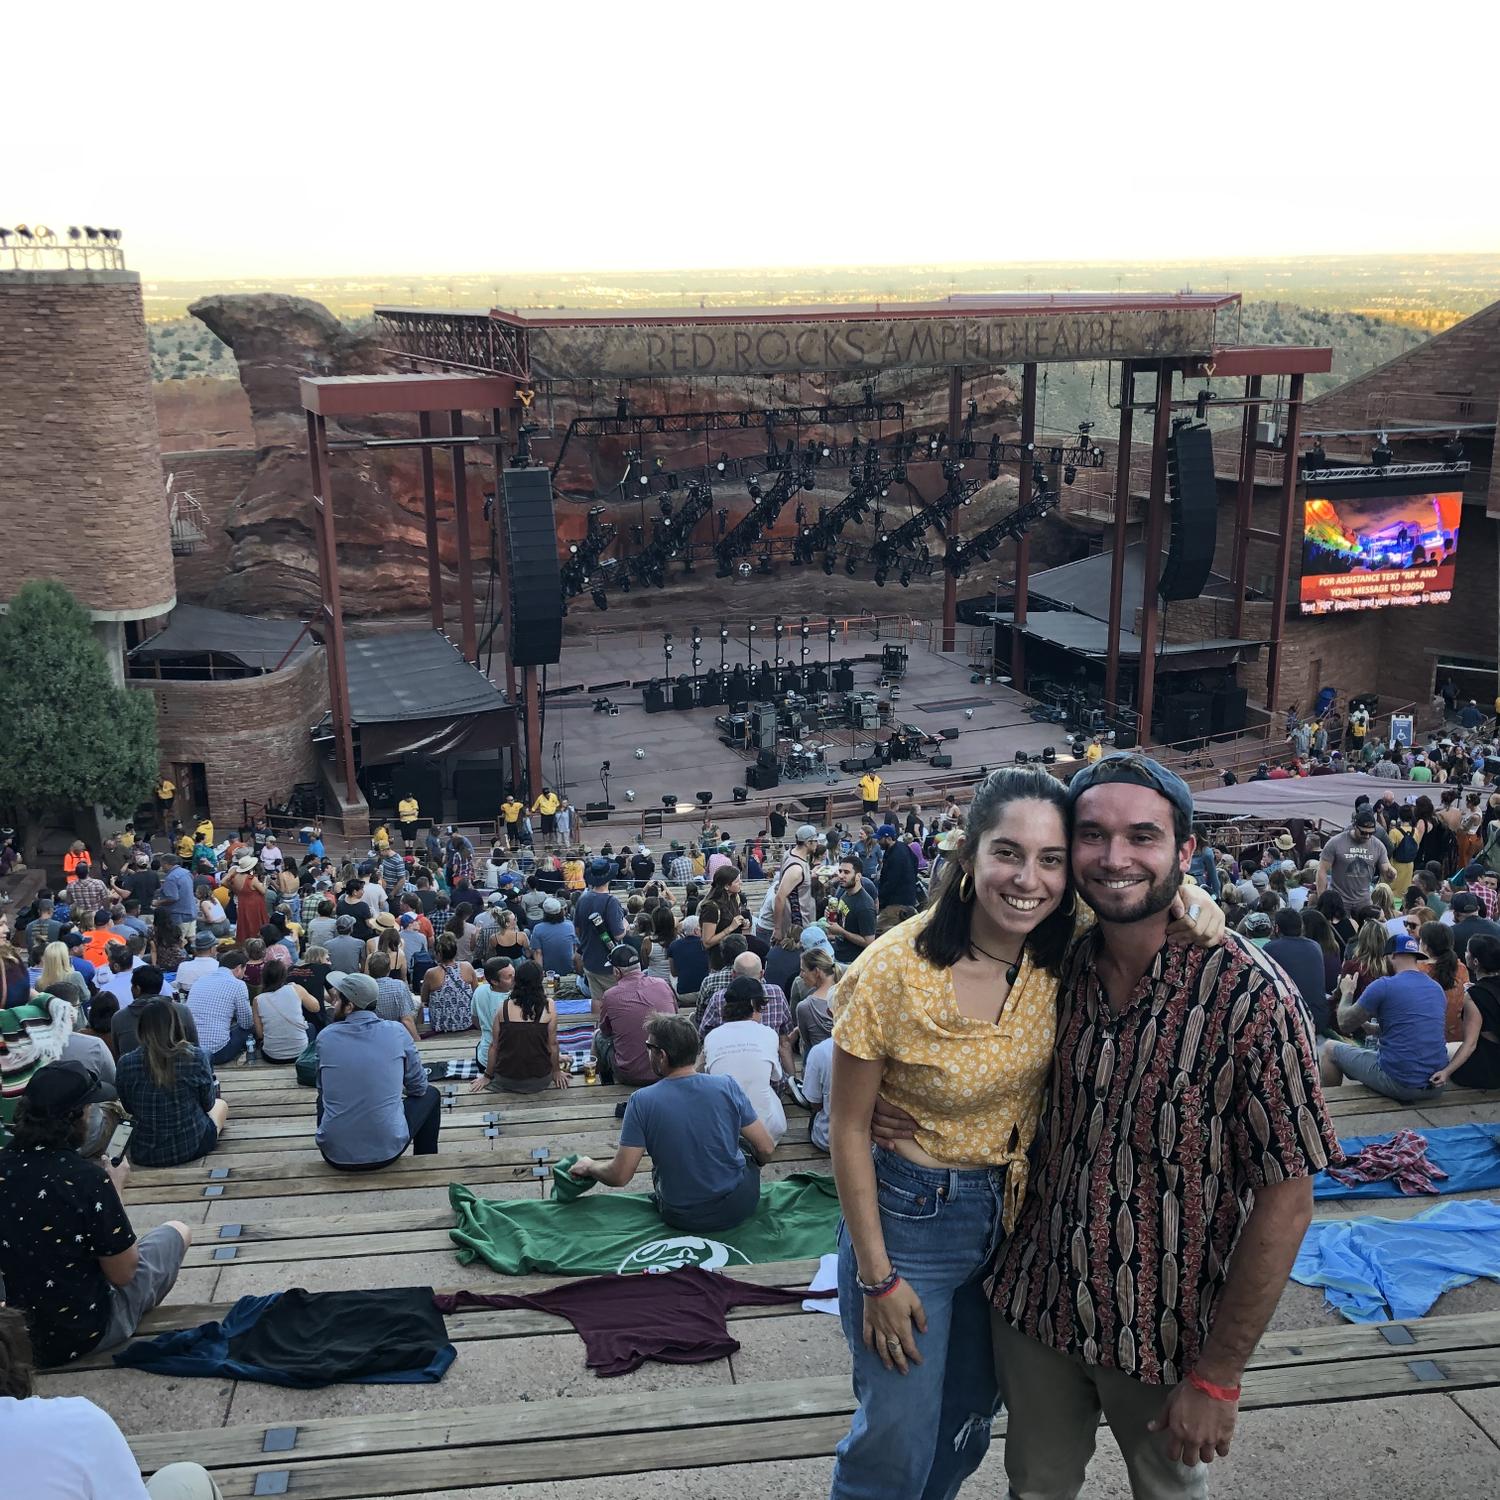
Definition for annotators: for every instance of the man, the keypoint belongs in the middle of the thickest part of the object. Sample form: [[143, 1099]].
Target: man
[[1209, 1045], [677, 867], [545, 807], [131, 919], [1303, 961], [788, 905], [86, 893], [426, 893], [600, 923], [114, 979], [166, 795], [1388, 767], [743, 1048], [849, 918], [1479, 881], [139, 882], [1409, 1006], [869, 793], [1359, 727], [394, 1000], [631, 1001], [776, 1010], [687, 959], [68, 1255], [1470, 716], [511, 810], [1468, 922], [204, 961], [642, 866], [374, 1099], [776, 821], [44, 927], [1353, 860], [407, 813], [146, 983], [898, 870], [345, 950], [176, 897], [220, 1004]]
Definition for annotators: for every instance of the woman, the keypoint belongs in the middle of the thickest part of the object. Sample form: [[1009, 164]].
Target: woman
[[509, 941], [211, 916], [15, 975], [1345, 930], [722, 910], [249, 893], [281, 1013], [1405, 835], [818, 975], [59, 977], [448, 989], [461, 926], [1440, 840], [101, 1019], [951, 1017], [640, 937], [523, 1055], [1315, 926], [1475, 1064], [1441, 962], [1383, 899], [657, 961], [167, 1084], [1367, 960], [167, 952], [311, 972], [707, 1147]]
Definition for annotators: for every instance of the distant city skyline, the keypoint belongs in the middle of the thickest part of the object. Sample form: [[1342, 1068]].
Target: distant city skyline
[[333, 141]]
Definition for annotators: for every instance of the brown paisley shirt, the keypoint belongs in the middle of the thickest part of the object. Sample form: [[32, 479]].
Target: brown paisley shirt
[[1160, 1124]]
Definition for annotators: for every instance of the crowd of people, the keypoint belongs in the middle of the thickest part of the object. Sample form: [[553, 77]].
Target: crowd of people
[[971, 1010]]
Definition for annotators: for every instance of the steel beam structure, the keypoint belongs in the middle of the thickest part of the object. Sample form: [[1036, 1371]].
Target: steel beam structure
[[330, 605], [461, 530], [1117, 538], [1284, 550], [1244, 498], [459, 340], [950, 576], [1156, 509], [1023, 542], [430, 523]]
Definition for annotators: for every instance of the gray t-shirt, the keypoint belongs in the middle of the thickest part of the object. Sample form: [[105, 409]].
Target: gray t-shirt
[[691, 1127], [346, 954], [1353, 867], [816, 1077]]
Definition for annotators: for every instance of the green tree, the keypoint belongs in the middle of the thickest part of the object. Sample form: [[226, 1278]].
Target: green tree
[[72, 737]]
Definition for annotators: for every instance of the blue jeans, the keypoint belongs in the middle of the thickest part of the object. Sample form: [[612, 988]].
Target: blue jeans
[[920, 1435], [238, 1037]]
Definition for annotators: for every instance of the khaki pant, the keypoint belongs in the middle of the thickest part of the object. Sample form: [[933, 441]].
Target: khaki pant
[[1053, 1402]]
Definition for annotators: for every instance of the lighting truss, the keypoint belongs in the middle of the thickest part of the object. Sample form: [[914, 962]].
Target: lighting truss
[[739, 541], [892, 544], [977, 549], [1367, 472]]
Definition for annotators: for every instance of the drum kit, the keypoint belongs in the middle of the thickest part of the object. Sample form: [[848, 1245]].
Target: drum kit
[[801, 762]]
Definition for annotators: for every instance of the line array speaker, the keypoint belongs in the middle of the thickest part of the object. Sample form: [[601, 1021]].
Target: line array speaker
[[533, 575], [1195, 512]]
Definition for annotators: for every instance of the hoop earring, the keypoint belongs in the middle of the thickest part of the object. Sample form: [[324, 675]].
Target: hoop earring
[[965, 888]]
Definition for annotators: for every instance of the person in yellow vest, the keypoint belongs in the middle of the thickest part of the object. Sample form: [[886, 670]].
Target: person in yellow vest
[[511, 810], [573, 874], [166, 795], [184, 846], [204, 831], [127, 836], [382, 839], [869, 791], [1094, 752], [545, 807], [407, 813]]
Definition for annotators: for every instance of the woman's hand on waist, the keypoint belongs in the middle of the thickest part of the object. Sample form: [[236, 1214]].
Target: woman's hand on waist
[[890, 1123]]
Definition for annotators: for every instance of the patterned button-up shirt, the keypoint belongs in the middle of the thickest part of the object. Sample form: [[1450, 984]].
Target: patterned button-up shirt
[[1161, 1123], [218, 1001], [88, 894], [776, 1013]]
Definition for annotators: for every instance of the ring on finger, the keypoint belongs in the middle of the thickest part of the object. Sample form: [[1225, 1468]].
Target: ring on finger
[[1192, 912]]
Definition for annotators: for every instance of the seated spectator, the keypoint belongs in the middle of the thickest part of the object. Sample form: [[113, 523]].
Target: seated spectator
[[777, 1013], [1303, 961], [499, 979], [59, 977], [1315, 926], [687, 959], [146, 983], [58, 1446], [627, 1007], [394, 1000], [1410, 1008], [205, 960], [346, 952], [523, 1056], [73, 1264], [167, 1085], [815, 1010], [324, 924], [283, 1011], [374, 1099], [1441, 962], [817, 1077], [554, 939], [1366, 961], [220, 1005], [698, 1130], [744, 1049], [1476, 1061], [65, 1040], [211, 917], [100, 1023], [448, 989], [1468, 922]]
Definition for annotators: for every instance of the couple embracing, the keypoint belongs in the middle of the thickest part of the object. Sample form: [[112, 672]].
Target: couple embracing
[[1096, 1118]]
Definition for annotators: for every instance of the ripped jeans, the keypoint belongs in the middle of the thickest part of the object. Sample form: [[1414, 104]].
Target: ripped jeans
[[918, 1436]]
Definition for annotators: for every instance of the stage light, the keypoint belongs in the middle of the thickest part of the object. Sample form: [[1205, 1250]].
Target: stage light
[[723, 632], [804, 627], [754, 488], [1317, 458], [851, 567], [1070, 473], [968, 713], [1453, 452], [827, 451], [723, 463], [600, 598], [880, 577], [829, 562], [630, 794], [808, 481], [639, 753], [1380, 454], [665, 506], [744, 570], [833, 630], [1201, 404], [752, 627]]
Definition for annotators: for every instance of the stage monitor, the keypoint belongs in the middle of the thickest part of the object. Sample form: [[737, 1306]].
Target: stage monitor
[[1364, 548]]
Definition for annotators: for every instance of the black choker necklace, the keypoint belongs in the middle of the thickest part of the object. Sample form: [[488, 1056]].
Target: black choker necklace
[[1015, 964]]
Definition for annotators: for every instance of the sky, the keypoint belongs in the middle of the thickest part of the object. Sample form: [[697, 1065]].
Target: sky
[[326, 138]]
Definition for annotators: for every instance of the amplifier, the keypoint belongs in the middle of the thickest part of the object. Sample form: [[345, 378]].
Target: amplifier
[[943, 762]]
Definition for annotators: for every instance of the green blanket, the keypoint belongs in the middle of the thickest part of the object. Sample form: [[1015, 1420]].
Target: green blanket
[[602, 1233]]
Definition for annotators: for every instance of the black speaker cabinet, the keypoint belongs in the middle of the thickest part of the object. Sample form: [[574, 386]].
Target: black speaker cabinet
[[682, 693], [654, 696], [1228, 710], [1187, 716], [478, 793], [765, 758], [424, 781], [1195, 512], [597, 812], [762, 778], [763, 726], [1125, 737], [942, 762], [711, 689], [843, 678], [536, 601]]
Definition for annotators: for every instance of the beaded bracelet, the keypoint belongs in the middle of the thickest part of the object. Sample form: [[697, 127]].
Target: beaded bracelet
[[879, 1288]]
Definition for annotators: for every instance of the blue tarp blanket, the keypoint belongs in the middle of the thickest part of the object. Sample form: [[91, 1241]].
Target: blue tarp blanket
[[1469, 1154], [1375, 1269]]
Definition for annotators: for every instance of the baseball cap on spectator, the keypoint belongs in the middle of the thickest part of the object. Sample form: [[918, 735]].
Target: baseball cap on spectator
[[345, 923], [74, 939], [407, 918], [63, 1088], [807, 834], [495, 898], [552, 907], [1475, 871], [623, 956], [814, 936], [1365, 818], [1464, 903], [885, 831], [1260, 880], [1403, 944], [358, 989], [1257, 924], [1137, 770]]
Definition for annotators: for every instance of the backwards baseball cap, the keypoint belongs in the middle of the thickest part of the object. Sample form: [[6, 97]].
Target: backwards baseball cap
[[1404, 944], [1257, 924], [1364, 817], [75, 939], [1464, 903], [494, 898], [407, 918], [552, 907], [623, 956], [358, 989], [1134, 770], [345, 923], [1260, 880], [1475, 871], [63, 1088]]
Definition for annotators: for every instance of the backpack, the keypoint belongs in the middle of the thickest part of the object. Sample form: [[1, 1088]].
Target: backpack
[[451, 1007], [419, 963], [1405, 852]]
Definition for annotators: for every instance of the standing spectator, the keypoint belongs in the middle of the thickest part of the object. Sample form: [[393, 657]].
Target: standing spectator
[[600, 925], [898, 870], [849, 918], [167, 1084], [220, 1006], [627, 1007], [249, 892]]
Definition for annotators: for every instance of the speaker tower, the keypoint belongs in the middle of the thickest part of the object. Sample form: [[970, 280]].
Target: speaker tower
[[1195, 512], [535, 580]]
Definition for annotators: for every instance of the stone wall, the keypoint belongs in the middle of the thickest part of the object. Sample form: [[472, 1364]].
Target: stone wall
[[251, 734], [215, 477]]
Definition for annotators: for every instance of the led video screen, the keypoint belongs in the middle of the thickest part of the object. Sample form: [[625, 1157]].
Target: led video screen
[[1370, 551]]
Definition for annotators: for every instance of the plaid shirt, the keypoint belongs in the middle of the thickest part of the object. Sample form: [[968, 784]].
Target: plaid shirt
[[776, 1013], [678, 868], [1488, 897], [88, 895], [219, 1001], [169, 1123]]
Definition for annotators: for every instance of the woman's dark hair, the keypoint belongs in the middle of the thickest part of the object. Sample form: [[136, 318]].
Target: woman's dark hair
[[1438, 941], [1416, 895], [15, 1354], [165, 929], [163, 1041], [945, 938], [49, 1132], [663, 925], [447, 947], [273, 974], [1424, 809], [270, 935], [676, 1037], [1315, 926], [718, 889], [529, 992], [1331, 904], [1483, 953]]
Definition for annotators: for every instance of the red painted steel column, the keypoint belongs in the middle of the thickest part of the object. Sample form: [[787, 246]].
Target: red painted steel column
[[1244, 500], [1023, 542], [1284, 550], [465, 561], [430, 522], [533, 733], [502, 555], [1156, 507], [1117, 543], [325, 536], [950, 579]]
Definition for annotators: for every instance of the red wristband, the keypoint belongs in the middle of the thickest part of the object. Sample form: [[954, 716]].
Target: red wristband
[[876, 1296], [1218, 1392]]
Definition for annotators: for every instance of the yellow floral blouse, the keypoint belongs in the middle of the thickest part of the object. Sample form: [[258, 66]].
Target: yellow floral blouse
[[974, 1087]]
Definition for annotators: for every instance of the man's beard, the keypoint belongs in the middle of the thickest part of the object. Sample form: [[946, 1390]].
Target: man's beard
[[1157, 898]]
